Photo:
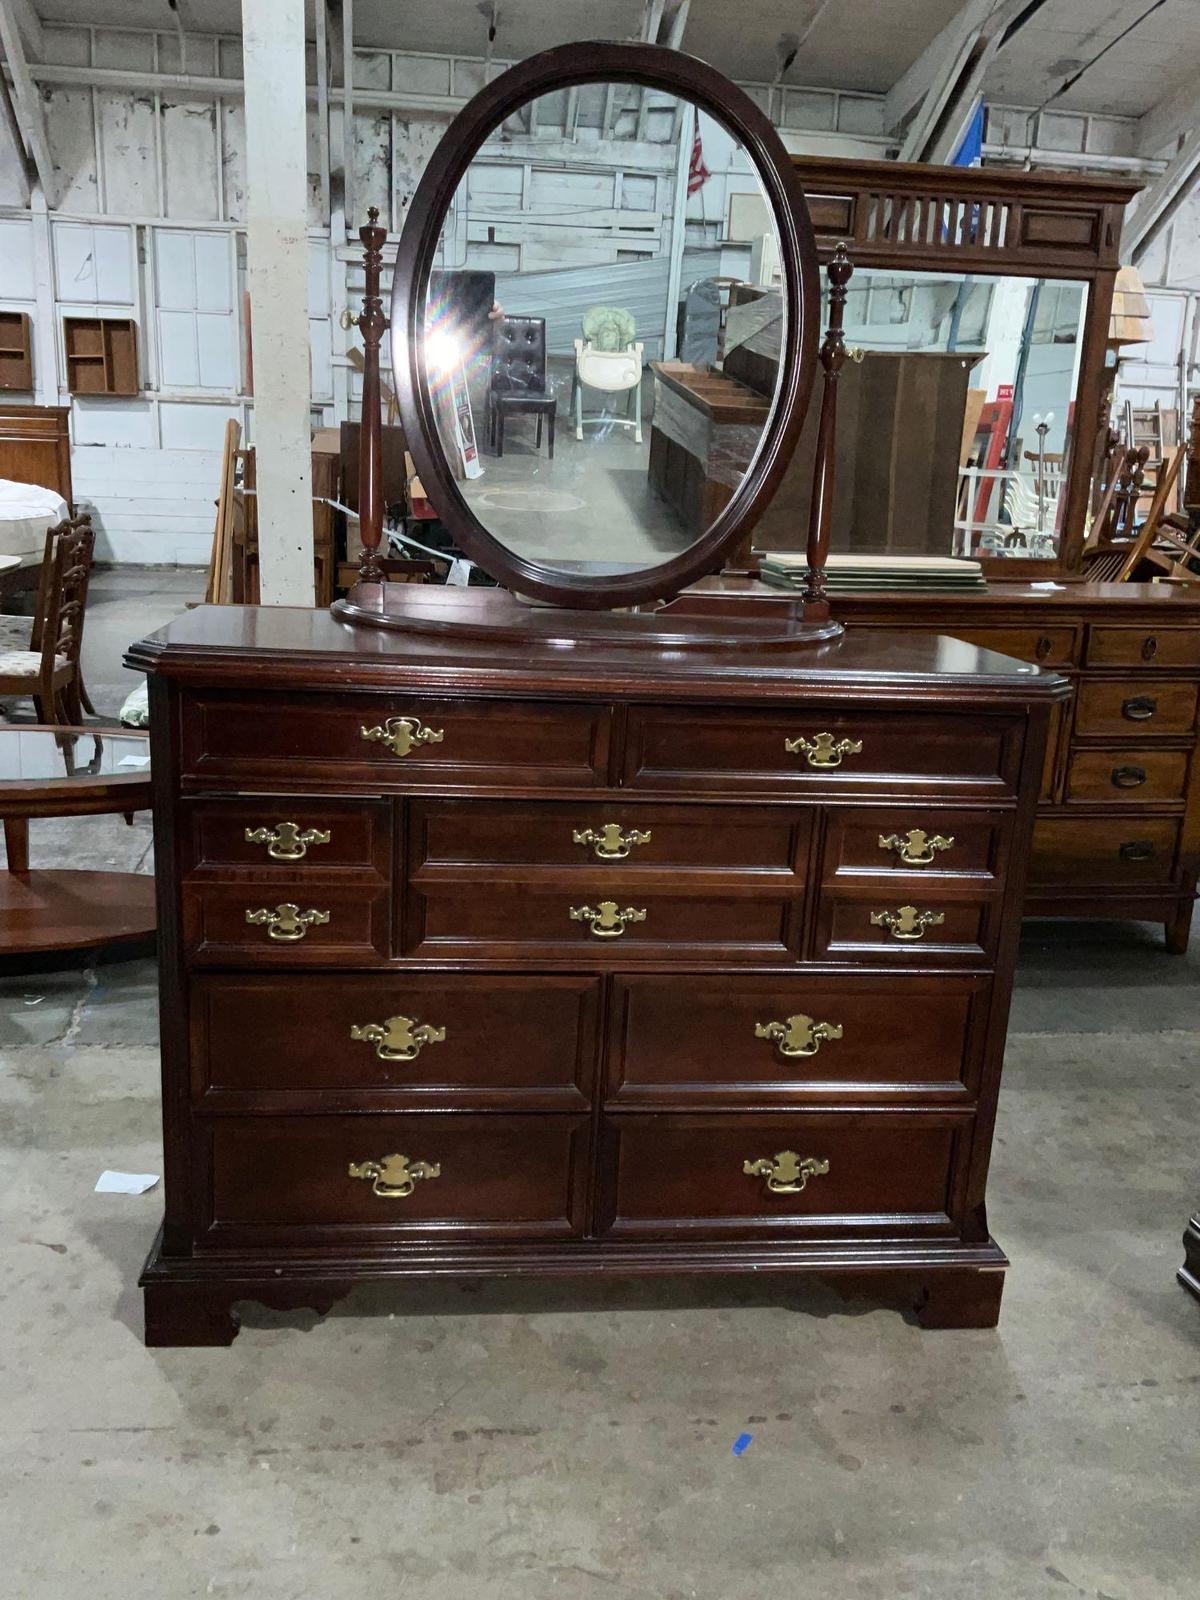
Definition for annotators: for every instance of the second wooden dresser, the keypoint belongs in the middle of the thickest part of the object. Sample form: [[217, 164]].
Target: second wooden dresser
[[487, 958]]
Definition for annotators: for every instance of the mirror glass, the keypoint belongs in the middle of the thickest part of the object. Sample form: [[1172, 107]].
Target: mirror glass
[[954, 422], [604, 319]]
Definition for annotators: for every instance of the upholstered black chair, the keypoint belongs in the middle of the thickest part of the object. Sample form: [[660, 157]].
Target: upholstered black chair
[[518, 378]]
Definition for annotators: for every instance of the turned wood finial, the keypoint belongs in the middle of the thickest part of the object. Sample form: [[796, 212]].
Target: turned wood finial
[[372, 324], [833, 358]]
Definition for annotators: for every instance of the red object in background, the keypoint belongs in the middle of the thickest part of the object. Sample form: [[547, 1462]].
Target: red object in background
[[1004, 391], [698, 173], [991, 431]]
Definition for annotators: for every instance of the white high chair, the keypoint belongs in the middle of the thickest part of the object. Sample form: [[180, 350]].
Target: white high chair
[[607, 358]]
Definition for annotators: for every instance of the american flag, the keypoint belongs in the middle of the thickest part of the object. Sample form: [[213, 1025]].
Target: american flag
[[698, 173]]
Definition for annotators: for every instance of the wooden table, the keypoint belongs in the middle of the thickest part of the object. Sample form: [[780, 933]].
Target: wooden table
[[65, 772]]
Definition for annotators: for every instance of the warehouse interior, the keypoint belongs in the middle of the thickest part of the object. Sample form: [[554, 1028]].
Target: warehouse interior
[[204, 208]]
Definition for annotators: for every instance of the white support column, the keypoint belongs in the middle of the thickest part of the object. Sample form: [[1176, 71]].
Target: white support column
[[45, 322], [277, 274]]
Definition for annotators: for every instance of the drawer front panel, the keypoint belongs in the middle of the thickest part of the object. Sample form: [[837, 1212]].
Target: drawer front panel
[[924, 846], [848, 929], [434, 744], [484, 1176], [426, 1038], [496, 924], [689, 749], [1143, 647], [886, 1174], [1135, 706], [1103, 850], [619, 837], [215, 926], [1048, 647], [1127, 776], [287, 836], [750, 1039]]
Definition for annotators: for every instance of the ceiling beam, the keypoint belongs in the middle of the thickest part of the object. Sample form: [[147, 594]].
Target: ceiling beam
[[30, 25], [1174, 114], [968, 46], [27, 103], [934, 63], [8, 116], [1159, 203]]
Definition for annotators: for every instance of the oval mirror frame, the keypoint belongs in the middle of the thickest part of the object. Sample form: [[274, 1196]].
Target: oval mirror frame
[[653, 67]]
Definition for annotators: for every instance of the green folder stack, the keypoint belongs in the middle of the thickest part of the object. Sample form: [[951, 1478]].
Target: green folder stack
[[848, 574]]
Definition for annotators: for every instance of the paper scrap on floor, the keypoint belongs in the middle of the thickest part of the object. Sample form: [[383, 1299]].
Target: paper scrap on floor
[[125, 1182]]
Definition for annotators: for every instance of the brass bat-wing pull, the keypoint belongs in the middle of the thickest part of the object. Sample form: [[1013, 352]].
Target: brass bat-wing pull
[[398, 1038], [799, 1035], [395, 1177], [916, 848], [906, 922], [605, 921], [611, 843], [287, 922], [285, 842], [402, 735], [786, 1173], [822, 750]]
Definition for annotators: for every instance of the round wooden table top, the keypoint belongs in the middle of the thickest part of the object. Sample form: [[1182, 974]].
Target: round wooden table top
[[63, 772]]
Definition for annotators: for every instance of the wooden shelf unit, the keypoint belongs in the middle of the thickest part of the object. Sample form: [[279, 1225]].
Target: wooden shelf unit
[[16, 351], [101, 355]]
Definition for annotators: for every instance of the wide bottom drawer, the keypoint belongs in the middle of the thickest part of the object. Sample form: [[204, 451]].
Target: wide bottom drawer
[[308, 1180], [1103, 850], [832, 1173]]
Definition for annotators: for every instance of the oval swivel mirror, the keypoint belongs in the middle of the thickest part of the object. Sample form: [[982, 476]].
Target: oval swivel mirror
[[604, 325]]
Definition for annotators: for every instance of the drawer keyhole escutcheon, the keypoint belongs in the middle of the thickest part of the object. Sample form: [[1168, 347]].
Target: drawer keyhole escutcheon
[[1139, 708], [285, 842], [786, 1173], [822, 750], [403, 735], [605, 921], [611, 843], [799, 1035], [398, 1038], [906, 922], [287, 923], [916, 848], [395, 1177]]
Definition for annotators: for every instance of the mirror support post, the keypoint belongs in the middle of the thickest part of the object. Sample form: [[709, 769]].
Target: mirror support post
[[833, 359], [372, 324]]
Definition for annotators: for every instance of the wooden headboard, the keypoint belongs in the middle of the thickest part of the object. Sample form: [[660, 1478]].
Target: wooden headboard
[[35, 447]]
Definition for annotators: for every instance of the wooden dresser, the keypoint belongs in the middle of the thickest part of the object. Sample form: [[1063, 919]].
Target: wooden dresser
[[497, 958]]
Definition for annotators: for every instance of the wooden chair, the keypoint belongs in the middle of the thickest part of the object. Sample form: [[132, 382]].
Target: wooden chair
[[49, 671], [1120, 563]]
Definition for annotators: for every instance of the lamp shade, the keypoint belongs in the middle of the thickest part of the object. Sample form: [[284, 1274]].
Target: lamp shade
[[1130, 321]]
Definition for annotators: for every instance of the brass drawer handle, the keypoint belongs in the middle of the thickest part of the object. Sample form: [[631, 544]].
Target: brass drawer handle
[[1149, 648], [822, 750], [1139, 708], [786, 1173], [403, 735], [1128, 777], [799, 1035], [287, 922], [605, 921], [610, 844], [916, 848], [398, 1038], [395, 1177], [1137, 850], [906, 922], [285, 842]]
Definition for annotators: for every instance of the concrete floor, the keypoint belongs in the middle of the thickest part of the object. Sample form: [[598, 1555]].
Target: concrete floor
[[521, 1441]]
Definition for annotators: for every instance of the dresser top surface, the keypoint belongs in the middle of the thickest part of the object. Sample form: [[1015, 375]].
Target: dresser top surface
[[281, 647], [1102, 602]]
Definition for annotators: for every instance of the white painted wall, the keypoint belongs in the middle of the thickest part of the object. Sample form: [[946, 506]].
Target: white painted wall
[[152, 223]]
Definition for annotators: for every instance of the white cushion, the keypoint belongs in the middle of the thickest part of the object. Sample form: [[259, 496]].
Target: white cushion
[[25, 663]]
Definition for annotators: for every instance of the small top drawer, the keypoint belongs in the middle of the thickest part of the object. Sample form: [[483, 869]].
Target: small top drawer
[[1049, 647], [398, 743], [833, 750], [285, 836], [1143, 647]]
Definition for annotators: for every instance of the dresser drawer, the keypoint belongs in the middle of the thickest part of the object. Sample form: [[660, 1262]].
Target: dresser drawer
[[1143, 647], [612, 925], [276, 836], [882, 1174], [1127, 776], [1103, 850], [295, 924], [617, 837], [922, 845], [1135, 706], [1048, 647], [317, 739], [814, 750], [928, 928], [479, 1176], [748, 1040], [425, 1039]]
